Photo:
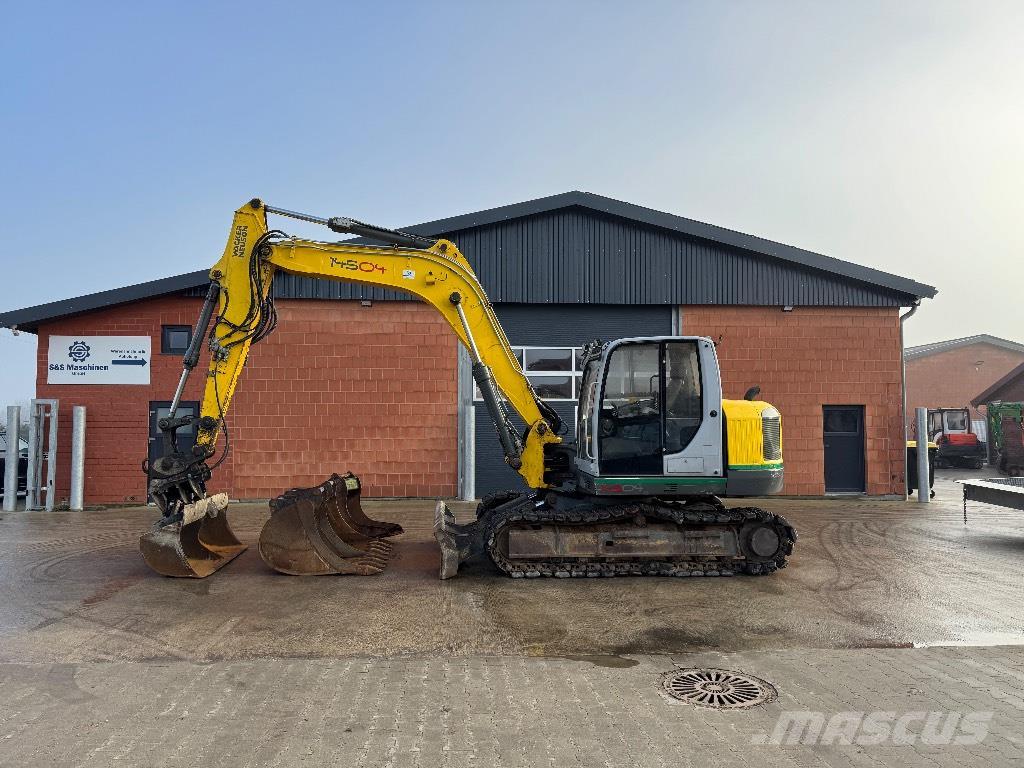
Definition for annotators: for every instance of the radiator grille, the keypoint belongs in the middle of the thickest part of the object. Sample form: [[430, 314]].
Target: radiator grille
[[771, 436]]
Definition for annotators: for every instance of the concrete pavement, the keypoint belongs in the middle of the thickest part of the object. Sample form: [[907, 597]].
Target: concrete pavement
[[105, 663]]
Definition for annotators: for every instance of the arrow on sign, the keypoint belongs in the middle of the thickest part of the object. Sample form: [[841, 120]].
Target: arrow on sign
[[127, 362]]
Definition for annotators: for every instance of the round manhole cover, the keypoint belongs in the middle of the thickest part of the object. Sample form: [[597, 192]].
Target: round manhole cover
[[718, 688]]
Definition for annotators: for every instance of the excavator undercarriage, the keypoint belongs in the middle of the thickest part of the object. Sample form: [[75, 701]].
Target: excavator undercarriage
[[532, 535]]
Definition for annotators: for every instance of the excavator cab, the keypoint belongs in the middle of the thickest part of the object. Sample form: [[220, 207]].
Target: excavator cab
[[642, 411]]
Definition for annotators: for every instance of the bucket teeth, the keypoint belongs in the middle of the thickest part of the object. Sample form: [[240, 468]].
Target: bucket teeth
[[323, 530], [201, 543]]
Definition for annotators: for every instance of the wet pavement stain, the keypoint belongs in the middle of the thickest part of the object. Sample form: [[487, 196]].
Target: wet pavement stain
[[864, 573], [109, 589]]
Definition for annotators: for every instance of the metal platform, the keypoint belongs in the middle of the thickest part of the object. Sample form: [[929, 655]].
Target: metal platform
[[1000, 491]]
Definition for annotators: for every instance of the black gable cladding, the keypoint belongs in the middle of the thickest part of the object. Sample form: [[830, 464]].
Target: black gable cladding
[[576, 255]]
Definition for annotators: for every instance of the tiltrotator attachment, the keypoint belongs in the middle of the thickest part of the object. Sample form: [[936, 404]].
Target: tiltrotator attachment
[[195, 546]]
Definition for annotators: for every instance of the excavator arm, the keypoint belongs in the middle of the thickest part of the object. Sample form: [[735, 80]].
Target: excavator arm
[[239, 311]]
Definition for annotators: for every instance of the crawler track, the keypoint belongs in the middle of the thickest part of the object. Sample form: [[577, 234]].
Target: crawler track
[[524, 510]]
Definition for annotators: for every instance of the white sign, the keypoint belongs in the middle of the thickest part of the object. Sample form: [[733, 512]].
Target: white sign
[[98, 360]]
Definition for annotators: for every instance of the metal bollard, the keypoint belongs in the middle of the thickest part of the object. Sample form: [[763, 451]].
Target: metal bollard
[[11, 459], [923, 474], [78, 458]]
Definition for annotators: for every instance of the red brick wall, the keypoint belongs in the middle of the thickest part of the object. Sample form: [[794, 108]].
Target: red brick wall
[[808, 358], [338, 387], [955, 377]]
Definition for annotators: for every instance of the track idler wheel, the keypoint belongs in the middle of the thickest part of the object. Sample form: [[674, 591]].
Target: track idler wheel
[[201, 543], [323, 530], [766, 544]]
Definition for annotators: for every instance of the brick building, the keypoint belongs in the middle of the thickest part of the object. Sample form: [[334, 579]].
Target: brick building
[[309, 399], [953, 373], [1009, 389], [361, 379]]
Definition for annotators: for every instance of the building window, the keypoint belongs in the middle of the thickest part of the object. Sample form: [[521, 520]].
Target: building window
[[174, 339], [554, 372]]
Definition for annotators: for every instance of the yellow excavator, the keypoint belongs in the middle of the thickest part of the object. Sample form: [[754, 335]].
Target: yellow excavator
[[637, 493]]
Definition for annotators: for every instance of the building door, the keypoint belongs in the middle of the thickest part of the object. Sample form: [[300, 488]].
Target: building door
[[158, 409], [844, 448]]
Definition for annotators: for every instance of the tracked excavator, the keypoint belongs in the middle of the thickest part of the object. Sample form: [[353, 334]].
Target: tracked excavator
[[638, 492]]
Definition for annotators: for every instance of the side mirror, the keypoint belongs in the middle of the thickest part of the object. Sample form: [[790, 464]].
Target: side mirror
[[752, 393]]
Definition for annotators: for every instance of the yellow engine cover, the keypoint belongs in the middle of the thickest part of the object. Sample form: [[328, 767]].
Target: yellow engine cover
[[745, 435]]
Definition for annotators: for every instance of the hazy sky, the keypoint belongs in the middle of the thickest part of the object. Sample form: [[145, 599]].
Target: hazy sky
[[890, 134]]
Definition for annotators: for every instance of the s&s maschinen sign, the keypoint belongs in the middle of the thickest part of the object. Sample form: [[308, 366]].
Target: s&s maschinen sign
[[98, 360]]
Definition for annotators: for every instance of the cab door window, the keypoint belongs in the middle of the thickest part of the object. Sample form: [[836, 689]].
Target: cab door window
[[956, 421], [630, 425], [585, 418], [683, 406]]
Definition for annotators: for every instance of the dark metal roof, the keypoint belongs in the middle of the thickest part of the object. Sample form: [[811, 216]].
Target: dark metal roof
[[578, 255], [29, 318], [579, 247], [936, 347], [667, 221], [990, 394]]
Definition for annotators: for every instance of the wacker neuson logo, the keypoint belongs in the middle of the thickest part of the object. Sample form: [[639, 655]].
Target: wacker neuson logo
[[873, 728]]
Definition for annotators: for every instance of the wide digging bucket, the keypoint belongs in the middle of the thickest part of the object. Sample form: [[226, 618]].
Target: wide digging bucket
[[195, 547], [323, 530]]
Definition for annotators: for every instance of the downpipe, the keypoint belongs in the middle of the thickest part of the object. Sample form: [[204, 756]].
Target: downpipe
[[903, 413]]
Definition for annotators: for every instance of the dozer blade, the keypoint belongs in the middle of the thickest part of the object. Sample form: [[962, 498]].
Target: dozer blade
[[456, 541], [322, 530], [195, 547]]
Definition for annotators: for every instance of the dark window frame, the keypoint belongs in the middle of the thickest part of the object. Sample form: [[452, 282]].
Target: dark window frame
[[165, 345]]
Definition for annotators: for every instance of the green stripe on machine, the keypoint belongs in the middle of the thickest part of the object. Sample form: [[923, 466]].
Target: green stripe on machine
[[767, 465], [660, 480]]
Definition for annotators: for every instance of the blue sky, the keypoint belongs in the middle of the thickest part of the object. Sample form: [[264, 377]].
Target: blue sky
[[887, 134]]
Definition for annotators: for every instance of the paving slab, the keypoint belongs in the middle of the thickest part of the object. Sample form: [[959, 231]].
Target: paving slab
[[509, 711]]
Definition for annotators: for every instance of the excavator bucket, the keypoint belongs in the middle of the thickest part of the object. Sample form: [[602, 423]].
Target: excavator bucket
[[323, 530], [196, 546]]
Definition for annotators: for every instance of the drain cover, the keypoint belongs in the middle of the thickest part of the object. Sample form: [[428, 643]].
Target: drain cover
[[718, 688]]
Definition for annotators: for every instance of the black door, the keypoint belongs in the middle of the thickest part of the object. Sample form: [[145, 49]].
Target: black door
[[844, 448], [186, 435]]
